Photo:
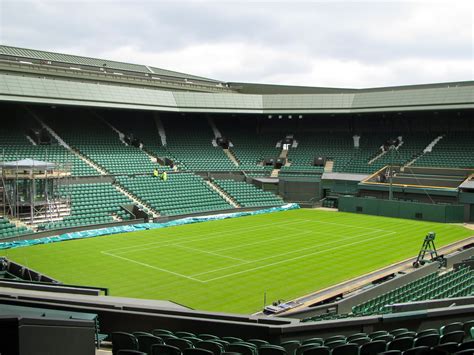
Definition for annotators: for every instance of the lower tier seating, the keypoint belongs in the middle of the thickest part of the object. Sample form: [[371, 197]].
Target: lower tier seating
[[248, 195], [91, 204], [449, 339], [8, 229], [456, 283], [182, 193]]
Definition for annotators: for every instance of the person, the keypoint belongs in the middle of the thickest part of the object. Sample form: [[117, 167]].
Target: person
[[175, 168], [156, 173], [164, 176]]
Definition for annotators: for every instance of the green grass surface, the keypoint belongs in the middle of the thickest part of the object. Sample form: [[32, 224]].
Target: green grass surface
[[228, 265]]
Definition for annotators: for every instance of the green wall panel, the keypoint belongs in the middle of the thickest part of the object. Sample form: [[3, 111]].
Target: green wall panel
[[403, 209]]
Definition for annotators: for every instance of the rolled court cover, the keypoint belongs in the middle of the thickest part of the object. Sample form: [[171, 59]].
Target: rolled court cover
[[141, 226]]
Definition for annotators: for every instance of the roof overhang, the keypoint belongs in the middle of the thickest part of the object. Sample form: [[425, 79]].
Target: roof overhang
[[54, 91]]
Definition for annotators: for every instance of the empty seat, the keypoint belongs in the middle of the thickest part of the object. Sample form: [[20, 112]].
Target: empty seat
[[373, 348], [429, 340], [452, 337], [291, 346], [180, 343], [145, 342], [211, 345], [163, 349], [123, 341], [401, 344], [269, 349], [194, 351], [346, 349], [448, 328]]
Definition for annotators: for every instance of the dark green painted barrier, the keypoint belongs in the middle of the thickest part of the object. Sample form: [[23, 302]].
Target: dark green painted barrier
[[402, 209]]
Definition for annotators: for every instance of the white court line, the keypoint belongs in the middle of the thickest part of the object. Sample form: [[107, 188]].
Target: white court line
[[290, 252], [213, 235], [152, 267], [158, 244], [295, 258], [343, 225], [209, 252], [271, 240]]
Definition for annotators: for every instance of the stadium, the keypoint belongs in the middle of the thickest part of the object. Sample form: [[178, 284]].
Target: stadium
[[148, 211]]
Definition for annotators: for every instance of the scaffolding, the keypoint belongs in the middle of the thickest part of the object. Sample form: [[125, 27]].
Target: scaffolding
[[30, 189]]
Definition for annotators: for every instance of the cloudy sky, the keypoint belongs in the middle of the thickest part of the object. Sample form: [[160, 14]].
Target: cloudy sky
[[314, 43]]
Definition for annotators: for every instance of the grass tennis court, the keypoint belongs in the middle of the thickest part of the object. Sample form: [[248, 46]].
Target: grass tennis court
[[228, 265]]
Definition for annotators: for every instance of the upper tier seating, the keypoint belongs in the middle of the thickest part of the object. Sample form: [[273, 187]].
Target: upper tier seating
[[145, 130], [248, 195], [455, 150], [250, 147], [14, 145], [91, 204], [102, 145], [190, 143], [413, 145], [182, 193]]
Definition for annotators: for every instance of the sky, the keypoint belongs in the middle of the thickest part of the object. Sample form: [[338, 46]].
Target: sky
[[349, 44]]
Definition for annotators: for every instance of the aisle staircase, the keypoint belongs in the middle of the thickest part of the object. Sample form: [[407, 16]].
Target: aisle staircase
[[222, 193], [428, 149], [231, 156], [328, 166], [140, 204], [67, 146]]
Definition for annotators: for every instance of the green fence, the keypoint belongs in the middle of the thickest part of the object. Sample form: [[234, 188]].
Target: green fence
[[402, 209]]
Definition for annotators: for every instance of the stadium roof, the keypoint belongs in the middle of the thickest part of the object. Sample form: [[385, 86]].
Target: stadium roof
[[45, 83], [93, 62]]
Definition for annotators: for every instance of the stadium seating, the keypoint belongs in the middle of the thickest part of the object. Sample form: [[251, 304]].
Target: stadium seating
[[400, 341], [248, 195], [14, 145], [91, 204], [182, 193], [335, 146], [249, 147], [456, 283], [453, 151], [413, 145], [452, 284], [8, 229], [192, 147], [99, 143]]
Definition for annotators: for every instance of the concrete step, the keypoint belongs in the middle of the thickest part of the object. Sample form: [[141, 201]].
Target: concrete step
[[223, 194], [328, 167], [137, 201], [231, 156]]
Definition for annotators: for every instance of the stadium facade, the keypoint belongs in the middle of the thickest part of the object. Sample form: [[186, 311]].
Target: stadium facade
[[81, 140]]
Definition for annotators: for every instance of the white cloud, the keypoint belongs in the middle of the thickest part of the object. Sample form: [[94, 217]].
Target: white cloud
[[317, 43]]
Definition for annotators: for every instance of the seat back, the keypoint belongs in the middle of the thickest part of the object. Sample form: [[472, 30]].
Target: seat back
[[215, 347], [346, 349], [123, 341], [145, 342], [269, 349], [163, 349], [373, 348]]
